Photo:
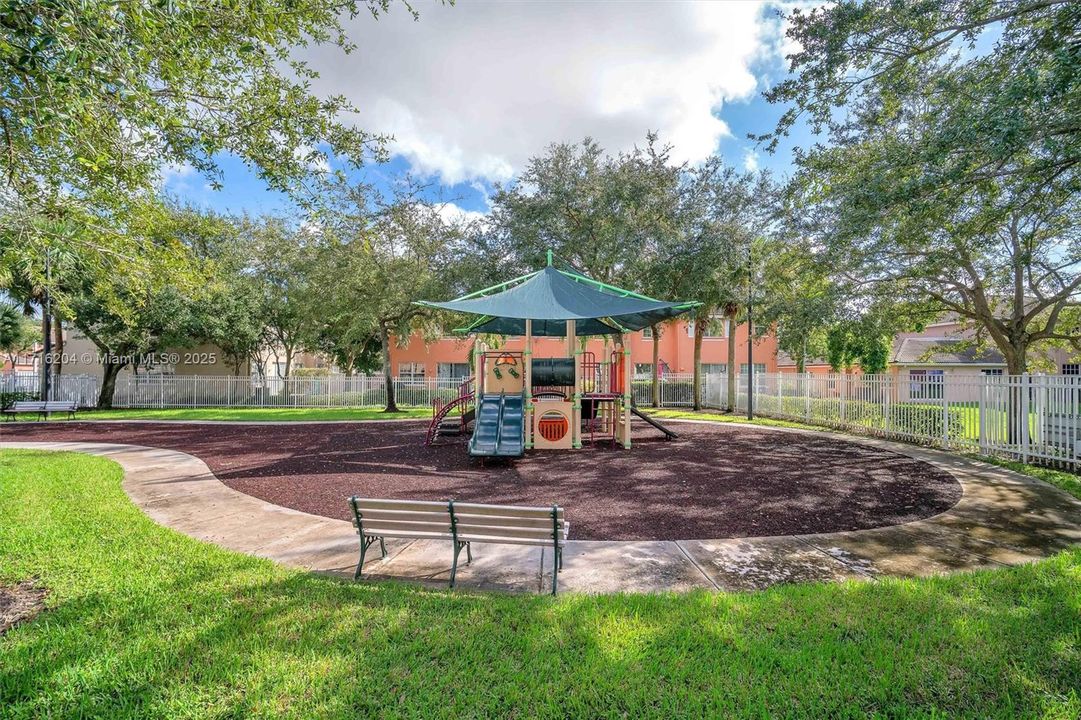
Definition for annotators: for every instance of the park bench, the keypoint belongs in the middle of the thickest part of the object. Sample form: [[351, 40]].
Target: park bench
[[461, 524], [42, 407]]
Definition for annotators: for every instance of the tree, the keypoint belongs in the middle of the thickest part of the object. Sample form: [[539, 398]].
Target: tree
[[799, 302], [16, 332], [284, 288], [97, 95], [151, 322], [172, 301], [609, 216], [98, 100], [722, 218], [858, 342], [379, 256], [602, 214], [953, 168]]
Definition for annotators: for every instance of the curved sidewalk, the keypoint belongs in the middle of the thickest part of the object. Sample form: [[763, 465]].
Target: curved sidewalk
[[1003, 518]]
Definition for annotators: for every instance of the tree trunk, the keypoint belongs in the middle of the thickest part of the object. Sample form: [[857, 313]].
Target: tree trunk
[[58, 345], [44, 360], [108, 382], [655, 388], [731, 363], [699, 333], [289, 352], [1016, 357], [388, 377]]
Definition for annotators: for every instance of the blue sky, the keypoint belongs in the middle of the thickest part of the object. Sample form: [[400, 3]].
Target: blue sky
[[463, 120]]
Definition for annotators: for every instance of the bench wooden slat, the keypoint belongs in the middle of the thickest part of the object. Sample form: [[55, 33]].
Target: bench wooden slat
[[410, 535], [504, 520], [378, 504], [505, 510], [373, 527], [539, 534], [509, 541], [411, 515]]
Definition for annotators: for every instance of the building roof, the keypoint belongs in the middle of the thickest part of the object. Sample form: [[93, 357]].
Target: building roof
[[551, 297], [943, 351]]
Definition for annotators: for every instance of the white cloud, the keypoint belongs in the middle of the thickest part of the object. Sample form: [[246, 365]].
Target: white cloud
[[314, 159], [454, 214], [176, 172], [750, 160], [473, 90]]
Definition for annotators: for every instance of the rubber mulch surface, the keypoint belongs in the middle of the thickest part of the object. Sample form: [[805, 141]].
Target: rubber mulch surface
[[715, 481]]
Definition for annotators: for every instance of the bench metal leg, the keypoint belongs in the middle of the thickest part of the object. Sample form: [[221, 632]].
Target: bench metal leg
[[365, 543], [457, 550], [557, 565]]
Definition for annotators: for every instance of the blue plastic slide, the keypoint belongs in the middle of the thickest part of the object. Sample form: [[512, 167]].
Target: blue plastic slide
[[499, 430]]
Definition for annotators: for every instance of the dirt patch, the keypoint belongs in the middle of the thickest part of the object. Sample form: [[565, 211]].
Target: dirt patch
[[19, 603], [715, 481]]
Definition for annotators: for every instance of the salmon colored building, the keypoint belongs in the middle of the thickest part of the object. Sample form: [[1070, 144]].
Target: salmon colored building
[[450, 357]]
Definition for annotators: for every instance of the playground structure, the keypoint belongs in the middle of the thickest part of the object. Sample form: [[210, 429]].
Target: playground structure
[[519, 402]]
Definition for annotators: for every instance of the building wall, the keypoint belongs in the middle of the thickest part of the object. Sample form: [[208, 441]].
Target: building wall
[[676, 350], [963, 382], [815, 369], [81, 357]]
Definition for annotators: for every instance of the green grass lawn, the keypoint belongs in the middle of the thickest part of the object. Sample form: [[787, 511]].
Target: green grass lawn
[[717, 416], [143, 621], [252, 414]]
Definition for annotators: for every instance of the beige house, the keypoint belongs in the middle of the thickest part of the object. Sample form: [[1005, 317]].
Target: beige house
[[921, 360], [81, 357]]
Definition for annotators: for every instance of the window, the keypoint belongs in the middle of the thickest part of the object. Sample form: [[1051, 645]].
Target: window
[[925, 384], [411, 372], [643, 370], [1071, 369], [647, 333], [715, 368], [453, 371], [758, 368], [716, 328], [991, 371]]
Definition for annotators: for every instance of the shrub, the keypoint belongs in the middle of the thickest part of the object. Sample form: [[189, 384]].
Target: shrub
[[8, 398]]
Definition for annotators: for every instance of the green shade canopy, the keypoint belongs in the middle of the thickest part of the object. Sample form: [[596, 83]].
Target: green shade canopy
[[551, 297]]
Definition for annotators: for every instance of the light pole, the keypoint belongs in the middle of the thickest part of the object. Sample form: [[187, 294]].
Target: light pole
[[750, 335], [46, 326]]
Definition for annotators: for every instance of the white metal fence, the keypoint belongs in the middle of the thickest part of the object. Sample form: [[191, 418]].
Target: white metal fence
[[1024, 417], [1027, 417], [188, 391]]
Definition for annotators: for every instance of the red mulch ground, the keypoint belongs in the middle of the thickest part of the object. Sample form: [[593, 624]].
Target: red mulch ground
[[714, 482]]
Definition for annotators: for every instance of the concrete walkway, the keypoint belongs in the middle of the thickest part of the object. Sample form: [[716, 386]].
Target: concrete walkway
[[1003, 518]]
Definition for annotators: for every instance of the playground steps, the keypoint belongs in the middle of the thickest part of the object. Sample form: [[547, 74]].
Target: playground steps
[[445, 422], [449, 426]]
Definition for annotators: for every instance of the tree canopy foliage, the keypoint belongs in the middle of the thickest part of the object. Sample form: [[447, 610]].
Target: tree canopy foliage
[[952, 168]]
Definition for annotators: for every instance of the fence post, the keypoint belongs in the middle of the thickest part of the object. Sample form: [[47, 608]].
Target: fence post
[[945, 416], [844, 399], [1041, 413], [1026, 385], [981, 412], [806, 379]]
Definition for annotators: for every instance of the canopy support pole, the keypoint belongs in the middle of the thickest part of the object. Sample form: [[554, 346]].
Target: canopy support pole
[[628, 376], [576, 406], [527, 374]]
